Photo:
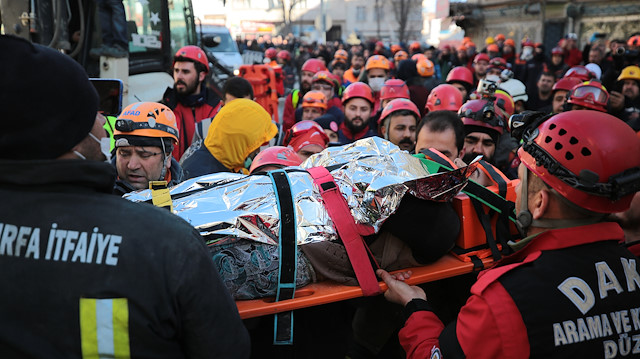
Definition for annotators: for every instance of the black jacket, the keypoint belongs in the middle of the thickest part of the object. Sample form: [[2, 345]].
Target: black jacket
[[201, 162], [82, 268]]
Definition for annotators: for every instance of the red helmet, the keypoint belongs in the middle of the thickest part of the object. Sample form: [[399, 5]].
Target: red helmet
[[580, 72], [275, 156], [415, 46], [505, 102], [400, 55], [313, 65], [444, 97], [271, 53], [590, 158], [304, 133], [394, 89], [498, 63], [483, 113], [284, 55], [399, 104], [557, 51], [192, 53], [460, 74], [358, 89], [395, 48], [566, 83], [481, 57], [590, 95]]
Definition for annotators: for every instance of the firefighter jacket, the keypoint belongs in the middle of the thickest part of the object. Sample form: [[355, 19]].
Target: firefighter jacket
[[190, 110], [89, 274], [569, 293]]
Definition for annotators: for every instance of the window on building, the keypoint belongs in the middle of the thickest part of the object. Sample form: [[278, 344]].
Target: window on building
[[378, 13], [361, 13]]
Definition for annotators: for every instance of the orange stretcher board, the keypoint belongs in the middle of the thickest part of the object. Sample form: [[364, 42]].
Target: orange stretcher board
[[328, 291]]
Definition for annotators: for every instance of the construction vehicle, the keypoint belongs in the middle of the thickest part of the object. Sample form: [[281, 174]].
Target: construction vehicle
[[156, 30]]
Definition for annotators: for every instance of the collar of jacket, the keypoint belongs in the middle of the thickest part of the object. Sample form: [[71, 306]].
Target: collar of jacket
[[171, 98], [72, 175], [353, 136]]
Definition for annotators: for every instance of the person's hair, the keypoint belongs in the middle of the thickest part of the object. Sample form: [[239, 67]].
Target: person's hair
[[387, 121], [198, 66], [548, 74], [440, 121], [238, 87]]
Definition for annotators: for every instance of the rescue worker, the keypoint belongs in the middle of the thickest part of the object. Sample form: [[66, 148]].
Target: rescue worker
[[496, 66], [398, 123], [480, 66], [274, 158], [353, 73], [288, 69], [314, 105], [626, 104], [376, 73], [270, 56], [561, 293], [426, 70], [443, 131], [145, 136], [540, 96], [589, 95], [559, 93], [391, 90], [518, 91], [190, 99], [357, 100], [306, 138], [234, 139], [309, 68], [483, 125], [462, 78], [331, 127], [74, 255]]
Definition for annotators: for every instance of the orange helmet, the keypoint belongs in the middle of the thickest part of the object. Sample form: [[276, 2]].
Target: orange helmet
[[634, 41], [444, 97], [505, 102], [415, 46], [394, 89], [325, 76], [193, 54], [377, 62], [279, 156], [141, 123], [510, 42], [395, 48], [315, 99], [357, 89], [401, 55], [341, 55], [425, 67], [499, 37]]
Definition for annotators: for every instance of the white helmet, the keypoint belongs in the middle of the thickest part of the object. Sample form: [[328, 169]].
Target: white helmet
[[516, 89]]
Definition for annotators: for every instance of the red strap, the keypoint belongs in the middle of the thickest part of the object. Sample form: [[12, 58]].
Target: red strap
[[341, 216]]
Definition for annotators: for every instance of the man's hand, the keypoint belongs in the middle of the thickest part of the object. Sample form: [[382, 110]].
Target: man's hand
[[616, 100], [400, 292]]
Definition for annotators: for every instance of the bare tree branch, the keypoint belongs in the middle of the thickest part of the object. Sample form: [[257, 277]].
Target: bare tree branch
[[402, 10]]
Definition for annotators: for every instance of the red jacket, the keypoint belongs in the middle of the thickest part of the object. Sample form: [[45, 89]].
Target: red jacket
[[491, 324]]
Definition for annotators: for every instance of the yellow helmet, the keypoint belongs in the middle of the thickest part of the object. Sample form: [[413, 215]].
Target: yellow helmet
[[630, 73]]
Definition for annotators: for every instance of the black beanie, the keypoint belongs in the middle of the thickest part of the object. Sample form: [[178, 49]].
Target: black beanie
[[47, 103], [494, 134]]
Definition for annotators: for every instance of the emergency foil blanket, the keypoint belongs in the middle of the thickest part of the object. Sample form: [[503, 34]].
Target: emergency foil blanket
[[238, 215]]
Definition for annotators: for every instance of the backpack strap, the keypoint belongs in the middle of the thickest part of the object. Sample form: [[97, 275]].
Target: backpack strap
[[283, 322], [348, 230]]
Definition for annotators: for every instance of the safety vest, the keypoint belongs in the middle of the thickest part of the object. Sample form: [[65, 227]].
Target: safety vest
[[110, 126]]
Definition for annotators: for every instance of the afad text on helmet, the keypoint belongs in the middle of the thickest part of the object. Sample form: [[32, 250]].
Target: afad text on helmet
[[62, 245], [131, 113]]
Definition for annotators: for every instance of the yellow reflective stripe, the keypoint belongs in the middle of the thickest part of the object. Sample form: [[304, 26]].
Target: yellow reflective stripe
[[121, 328], [104, 328], [88, 328]]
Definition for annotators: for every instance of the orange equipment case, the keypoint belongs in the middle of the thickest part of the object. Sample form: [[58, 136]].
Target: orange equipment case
[[264, 83]]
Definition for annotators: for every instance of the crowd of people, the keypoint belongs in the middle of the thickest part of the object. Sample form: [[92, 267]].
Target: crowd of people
[[572, 142]]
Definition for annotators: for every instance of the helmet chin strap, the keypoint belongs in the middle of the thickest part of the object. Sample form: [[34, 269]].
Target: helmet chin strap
[[525, 218]]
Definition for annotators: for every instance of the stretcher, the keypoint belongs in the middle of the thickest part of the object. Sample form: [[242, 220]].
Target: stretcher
[[328, 291]]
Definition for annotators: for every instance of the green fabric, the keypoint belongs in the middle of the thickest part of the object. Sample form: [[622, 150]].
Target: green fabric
[[110, 126]]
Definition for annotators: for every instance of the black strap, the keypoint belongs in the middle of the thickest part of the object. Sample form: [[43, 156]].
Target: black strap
[[283, 322], [485, 221], [477, 263], [449, 344], [502, 184], [435, 158]]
